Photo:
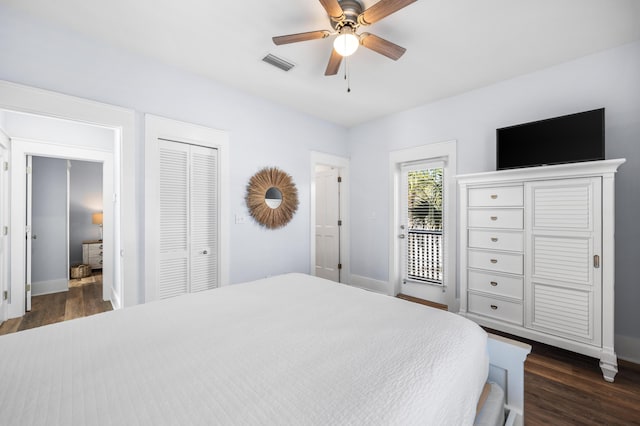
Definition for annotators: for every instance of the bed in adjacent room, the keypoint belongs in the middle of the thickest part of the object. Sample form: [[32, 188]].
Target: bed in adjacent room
[[291, 349]]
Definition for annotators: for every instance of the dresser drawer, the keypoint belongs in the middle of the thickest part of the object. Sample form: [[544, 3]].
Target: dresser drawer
[[496, 218], [502, 285], [501, 196], [511, 263], [497, 240], [495, 308], [95, 249]]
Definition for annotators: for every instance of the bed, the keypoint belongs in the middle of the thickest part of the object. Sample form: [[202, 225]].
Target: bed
[[291, 349]]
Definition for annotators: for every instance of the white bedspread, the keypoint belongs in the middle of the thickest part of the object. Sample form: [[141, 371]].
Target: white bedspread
[[287, 350]]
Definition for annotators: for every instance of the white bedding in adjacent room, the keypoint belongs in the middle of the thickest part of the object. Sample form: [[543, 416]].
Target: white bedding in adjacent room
[[291, 349]]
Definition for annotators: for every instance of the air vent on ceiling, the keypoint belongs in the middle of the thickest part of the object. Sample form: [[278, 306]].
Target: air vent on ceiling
[[278, 62]]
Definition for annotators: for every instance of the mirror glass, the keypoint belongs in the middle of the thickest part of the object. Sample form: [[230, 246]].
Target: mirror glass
[[273, 197]]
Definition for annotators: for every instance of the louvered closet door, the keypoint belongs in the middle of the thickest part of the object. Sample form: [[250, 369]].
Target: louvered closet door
[[173, 277], [204, 218], [563, 278], [188, 219]]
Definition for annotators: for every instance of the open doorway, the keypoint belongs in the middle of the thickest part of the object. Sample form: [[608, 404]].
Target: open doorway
[[122, 170], [66, 220], [43, 153]]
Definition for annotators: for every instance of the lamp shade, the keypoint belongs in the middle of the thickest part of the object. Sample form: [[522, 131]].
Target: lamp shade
[[96, 218]]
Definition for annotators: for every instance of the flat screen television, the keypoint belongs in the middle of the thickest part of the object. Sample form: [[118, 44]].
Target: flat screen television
[[567, 139]]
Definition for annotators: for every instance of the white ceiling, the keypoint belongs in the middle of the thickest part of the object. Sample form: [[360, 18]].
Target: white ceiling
[[452, 45]]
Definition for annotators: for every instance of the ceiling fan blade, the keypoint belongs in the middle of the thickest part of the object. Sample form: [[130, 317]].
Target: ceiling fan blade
[[382, 46], [334, 63], [333, 8], [381, 10], [294, 38]]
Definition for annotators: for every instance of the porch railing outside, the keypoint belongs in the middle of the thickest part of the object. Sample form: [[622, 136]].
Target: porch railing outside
[[424, 256]]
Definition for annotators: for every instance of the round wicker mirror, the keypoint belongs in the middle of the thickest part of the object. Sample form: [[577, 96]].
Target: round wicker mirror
[[272, 197]]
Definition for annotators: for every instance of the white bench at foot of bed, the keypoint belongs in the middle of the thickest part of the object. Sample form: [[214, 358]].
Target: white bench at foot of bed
[[506, 368]]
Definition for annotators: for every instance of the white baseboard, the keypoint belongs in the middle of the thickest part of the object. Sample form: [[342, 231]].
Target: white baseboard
[[370, 284], [628, 348], [49, 287]]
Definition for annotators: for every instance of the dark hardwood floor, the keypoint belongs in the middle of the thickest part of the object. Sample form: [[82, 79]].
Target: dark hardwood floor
[[565, 388], [84, 298]]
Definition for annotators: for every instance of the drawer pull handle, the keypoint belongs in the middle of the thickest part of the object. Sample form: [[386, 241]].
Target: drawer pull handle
[[494, 239], [494, 260], [494, 307], [494, 217], [494, 196], [493, 283]]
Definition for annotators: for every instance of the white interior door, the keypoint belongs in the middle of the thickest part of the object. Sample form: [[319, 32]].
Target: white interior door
[[28, 231], [328, 224]]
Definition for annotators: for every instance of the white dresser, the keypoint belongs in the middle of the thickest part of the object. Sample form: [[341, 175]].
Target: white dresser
[[92, 254], [536, 255]]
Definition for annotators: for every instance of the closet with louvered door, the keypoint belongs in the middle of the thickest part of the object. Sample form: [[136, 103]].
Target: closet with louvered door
[[188, 197]]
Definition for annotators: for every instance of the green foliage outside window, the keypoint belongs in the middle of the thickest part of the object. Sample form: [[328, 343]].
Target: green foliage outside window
[[425, 199]]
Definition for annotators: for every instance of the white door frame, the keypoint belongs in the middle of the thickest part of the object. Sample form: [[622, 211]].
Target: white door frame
[[28, 223], [20, 149], [4, 214], [342, 163], [19, 98], [178, 131], [447, 152]]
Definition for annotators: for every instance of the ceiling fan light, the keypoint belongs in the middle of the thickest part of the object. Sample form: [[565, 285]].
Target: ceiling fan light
[[346, 44]]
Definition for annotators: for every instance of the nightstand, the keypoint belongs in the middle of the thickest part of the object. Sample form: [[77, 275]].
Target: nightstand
[[92, 253]]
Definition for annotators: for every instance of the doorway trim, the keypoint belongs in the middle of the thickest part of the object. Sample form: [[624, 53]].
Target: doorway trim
[[19, 98], [342, 163], [4, 224], [20, 149], [446, 151]]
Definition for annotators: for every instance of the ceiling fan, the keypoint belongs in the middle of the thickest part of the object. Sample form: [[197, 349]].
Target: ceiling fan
[[346, 16]]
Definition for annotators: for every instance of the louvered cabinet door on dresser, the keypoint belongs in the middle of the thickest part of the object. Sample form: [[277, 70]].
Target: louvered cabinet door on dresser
[[537, 255], [563, 238]]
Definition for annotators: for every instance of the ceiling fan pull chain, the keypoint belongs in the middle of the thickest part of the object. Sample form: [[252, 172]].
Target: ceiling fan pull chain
[[346, 74]]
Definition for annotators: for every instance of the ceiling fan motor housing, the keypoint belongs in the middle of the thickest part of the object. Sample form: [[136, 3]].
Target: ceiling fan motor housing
[[351, 9]]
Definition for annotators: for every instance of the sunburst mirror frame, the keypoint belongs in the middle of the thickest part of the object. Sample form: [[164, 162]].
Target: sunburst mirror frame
[[259, 184]]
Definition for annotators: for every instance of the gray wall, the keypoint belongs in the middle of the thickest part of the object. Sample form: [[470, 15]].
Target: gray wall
[[85, 198], [49, 220], [610, 79]]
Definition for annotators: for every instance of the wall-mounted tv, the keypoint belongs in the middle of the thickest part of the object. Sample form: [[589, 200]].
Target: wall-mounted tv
[[567, 139]]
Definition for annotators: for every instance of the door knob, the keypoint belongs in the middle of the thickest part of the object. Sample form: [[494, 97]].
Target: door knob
[[204, 252], [34, 236]]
